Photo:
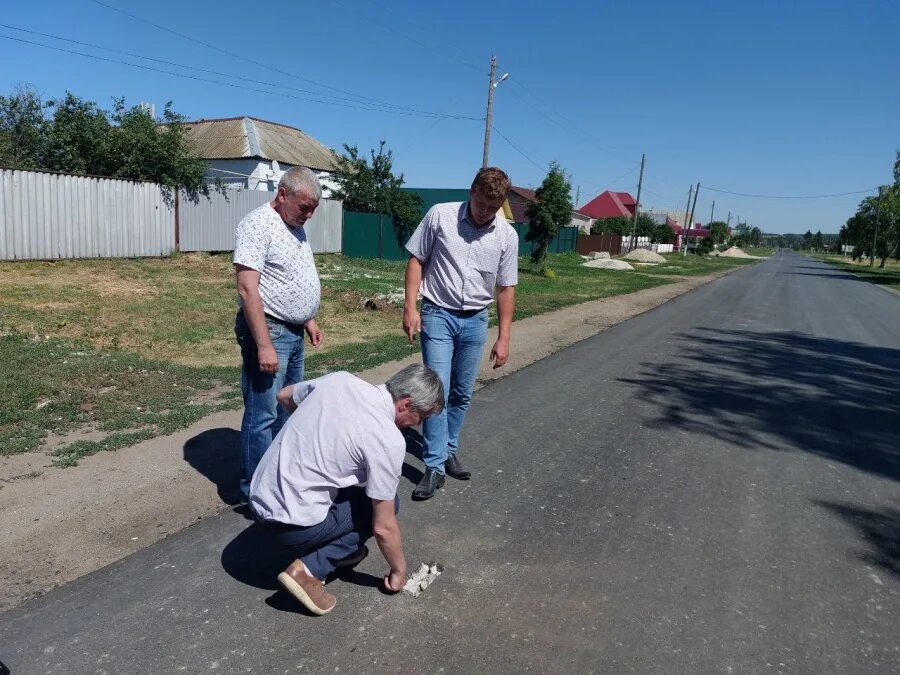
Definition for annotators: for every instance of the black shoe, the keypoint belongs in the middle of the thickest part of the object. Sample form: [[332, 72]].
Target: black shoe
[[455, 469], [353, 559], [431, 481]]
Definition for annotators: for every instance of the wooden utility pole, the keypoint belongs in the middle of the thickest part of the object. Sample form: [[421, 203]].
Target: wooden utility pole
[[489, 116], [637, 205], [687, 210], [712, 211], [693, 208], [729, 219], [877, 217]]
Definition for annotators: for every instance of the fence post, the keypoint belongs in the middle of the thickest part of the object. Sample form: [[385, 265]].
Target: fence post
[[177, 222], [380, 233]]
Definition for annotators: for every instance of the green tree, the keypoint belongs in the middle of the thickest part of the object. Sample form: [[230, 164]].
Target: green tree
[[142, 149], [807, 241], [705, 246], [551, 210], [22, 129], [73, 135], [663, 234], [616, 225], [818, 242], [373, 188], [718, 231]]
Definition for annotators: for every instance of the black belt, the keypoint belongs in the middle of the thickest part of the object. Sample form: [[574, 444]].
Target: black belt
[[283, 322], [275, 319], [463, 313]]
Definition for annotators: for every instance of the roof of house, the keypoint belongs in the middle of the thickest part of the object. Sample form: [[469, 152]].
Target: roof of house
[[517, 206], [249, 137], [609, 205]]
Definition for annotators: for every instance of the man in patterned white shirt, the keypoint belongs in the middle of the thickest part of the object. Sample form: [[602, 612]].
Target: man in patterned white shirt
[[278, 297], [459, 255]]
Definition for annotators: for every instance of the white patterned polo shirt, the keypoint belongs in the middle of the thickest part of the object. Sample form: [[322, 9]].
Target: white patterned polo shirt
[[288, 283], [463, 263]]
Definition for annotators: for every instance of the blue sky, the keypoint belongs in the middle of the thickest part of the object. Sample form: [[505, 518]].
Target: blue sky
[[771, 98]]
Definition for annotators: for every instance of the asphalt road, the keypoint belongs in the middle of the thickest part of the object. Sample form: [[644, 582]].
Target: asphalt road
[[709, 487]]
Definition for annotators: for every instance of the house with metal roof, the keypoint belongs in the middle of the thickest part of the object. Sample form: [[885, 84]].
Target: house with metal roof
[[519, 199], [610, 205], [250, 153]]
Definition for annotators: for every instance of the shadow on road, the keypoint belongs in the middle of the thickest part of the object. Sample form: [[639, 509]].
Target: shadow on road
[[782, 391], [253, 558], [215, 453], [880, 530]]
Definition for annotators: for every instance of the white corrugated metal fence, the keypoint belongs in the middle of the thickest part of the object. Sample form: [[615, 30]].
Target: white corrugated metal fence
[[208, 224], [46, 216]]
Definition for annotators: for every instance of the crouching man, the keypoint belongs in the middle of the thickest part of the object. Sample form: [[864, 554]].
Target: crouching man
[[329, 479]]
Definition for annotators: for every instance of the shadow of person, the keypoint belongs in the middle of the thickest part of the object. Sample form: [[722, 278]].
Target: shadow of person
[[414, 446], [255, 559], [215, 453]]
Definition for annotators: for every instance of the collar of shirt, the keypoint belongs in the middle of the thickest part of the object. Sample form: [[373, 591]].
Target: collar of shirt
[[465, 217]]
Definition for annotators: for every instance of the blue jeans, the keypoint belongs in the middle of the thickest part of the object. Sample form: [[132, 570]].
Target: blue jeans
[[452, 346], [346, 527], [263, 416]]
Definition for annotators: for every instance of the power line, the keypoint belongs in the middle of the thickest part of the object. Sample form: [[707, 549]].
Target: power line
[[419, 42], [744, 194], [267, 66], [211, 72], [520, 151], [367, 107]]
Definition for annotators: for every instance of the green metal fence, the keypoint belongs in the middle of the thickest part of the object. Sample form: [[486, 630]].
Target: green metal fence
[[563, 242], [372, 235]]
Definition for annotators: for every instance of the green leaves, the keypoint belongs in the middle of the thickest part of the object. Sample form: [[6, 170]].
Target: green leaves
[[551, 210], [373, 188], [74, 135]]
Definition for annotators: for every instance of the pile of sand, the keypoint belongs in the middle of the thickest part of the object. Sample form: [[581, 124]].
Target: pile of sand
[[735, 252], [607, 264], [598, 255], [644, 255]]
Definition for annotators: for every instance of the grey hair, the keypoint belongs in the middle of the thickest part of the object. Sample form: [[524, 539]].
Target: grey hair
[[300, 179], [421, 385]]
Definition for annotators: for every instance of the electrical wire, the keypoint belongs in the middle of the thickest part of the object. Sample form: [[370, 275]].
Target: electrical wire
[[211, 72], [240, 57], [744, 194], [369, 107], [520, 151]]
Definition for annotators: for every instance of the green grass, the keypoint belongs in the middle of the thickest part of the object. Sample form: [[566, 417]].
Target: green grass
[[132, 349], [759, 250], [55, 385], [888, 276]]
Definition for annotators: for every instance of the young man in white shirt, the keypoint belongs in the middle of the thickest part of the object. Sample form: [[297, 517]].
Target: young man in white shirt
[[460, 255], [344, 433]]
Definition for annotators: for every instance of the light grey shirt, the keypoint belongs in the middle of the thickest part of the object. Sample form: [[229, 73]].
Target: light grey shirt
[[463, 263], [288, 281], [342, 434]]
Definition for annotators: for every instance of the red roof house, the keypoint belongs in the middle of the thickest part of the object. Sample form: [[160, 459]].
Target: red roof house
[[610, 205]]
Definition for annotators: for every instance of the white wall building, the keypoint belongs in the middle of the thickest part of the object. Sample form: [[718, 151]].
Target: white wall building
[[252, 154]]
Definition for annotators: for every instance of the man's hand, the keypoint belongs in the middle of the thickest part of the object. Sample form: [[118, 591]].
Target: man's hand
[[395, 581], [286, 398], [412, 322], [268, 359], [315, 333], [500, 352]]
